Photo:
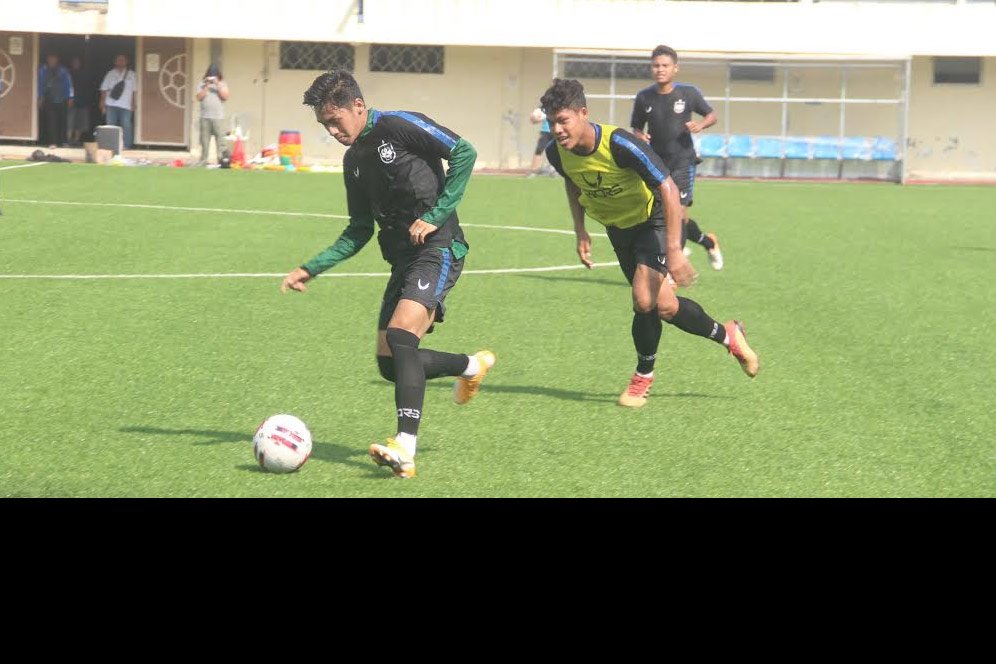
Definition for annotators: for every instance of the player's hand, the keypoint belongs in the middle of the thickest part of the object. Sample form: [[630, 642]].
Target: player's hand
[[693, 126], [295, 281], [584, 249], [681, 270], [420, 230], [70, 103], [643, 137]]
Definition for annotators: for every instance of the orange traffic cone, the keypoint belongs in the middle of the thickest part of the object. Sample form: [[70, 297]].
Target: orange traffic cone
[[238, 153]]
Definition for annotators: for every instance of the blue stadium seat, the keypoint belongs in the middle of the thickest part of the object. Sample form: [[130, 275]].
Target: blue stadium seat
[[857, 147], [884, 149], [739, 145], [768, 147], [797, 148], [711, 145], [825, 147]]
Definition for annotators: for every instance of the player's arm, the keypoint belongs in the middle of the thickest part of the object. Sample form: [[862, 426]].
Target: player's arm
[[702, 107], [430, 140], [574, 203], [353, 238], [638, 120], [629, 152]]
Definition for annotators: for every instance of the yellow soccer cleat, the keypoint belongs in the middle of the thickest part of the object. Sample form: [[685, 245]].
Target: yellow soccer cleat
[[636, 394], [394, 457], [740, 349], [465, 389]]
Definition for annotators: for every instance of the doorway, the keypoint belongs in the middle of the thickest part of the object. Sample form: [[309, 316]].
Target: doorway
[[97, 53]]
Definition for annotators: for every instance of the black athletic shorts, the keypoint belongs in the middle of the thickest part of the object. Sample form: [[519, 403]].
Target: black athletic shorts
[[683, 175], [545, 138], [641, 244], [426, 277]]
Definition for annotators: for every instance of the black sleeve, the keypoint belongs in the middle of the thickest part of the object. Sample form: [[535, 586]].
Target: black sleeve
[[699, 104], [357, 201], [421, 135], [639, 118], [553, 156], [630, 152]]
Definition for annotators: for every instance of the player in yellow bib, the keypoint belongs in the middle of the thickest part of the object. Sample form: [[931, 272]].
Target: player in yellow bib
[[618, 180]]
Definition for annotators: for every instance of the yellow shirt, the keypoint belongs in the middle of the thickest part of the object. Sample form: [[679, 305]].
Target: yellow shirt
[[617, 180]]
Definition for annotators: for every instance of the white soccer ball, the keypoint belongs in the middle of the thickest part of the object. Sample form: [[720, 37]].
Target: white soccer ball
[[282, 444], [537, 116]]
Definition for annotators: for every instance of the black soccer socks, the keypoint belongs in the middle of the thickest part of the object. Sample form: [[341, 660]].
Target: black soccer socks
[[646, 337], [409, 379], [693, 319], [696, 235]]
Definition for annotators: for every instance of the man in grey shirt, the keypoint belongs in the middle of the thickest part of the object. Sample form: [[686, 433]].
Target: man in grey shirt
[[212, 93]]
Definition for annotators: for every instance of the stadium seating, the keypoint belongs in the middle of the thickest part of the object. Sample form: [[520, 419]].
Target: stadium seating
[[743, 146]]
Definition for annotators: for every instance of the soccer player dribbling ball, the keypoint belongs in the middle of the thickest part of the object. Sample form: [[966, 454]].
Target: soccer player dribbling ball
[[394, 178], [617, 179]]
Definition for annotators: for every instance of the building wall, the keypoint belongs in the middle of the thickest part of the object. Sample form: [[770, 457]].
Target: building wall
[[485, 95], [951, 133]]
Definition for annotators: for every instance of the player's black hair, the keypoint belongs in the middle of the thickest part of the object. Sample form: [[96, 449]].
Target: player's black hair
[[564, 93], [665, 50], [336, 87]]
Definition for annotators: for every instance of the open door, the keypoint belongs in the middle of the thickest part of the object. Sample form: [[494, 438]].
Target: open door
[[165, 90], [18, 83]]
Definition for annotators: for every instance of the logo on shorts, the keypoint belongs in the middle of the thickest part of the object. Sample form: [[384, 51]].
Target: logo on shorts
[[386, 152], [679, 106], [356, 173], [661, 260], [684, 194], [420, 286], [649, 108]]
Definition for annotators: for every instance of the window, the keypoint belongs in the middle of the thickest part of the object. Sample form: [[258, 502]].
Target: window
[[757, 72], [582, 69], [965, 71], [406, 59], [316, 56]]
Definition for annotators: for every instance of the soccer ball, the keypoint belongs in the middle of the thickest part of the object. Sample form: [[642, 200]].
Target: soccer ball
[[282, 444], [537, 116]]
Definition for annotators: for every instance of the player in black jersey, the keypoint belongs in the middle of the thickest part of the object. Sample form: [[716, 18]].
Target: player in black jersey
[[395, 180], [662, 116]]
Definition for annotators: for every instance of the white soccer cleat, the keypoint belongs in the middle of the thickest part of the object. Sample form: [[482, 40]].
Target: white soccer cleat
[[715, 255]]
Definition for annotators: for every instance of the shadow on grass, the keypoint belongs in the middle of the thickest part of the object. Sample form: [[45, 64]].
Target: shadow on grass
[[323, 451], [567, 395], [986, 249]]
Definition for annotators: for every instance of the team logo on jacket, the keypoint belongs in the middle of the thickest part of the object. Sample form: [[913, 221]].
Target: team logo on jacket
[[386, 152], [679, 106], [597, 190]]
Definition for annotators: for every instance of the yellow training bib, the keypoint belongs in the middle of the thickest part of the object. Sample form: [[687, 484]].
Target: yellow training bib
[[611, 195]]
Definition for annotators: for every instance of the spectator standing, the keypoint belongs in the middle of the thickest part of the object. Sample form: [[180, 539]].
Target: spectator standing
[[79, 113], [117, 99], [212, 93], [55, 97]]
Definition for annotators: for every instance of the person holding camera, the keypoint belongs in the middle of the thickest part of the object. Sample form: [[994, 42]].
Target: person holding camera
[[117, 99], [212, 93]]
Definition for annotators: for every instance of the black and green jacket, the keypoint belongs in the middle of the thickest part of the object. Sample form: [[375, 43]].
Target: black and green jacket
[[394, 175]]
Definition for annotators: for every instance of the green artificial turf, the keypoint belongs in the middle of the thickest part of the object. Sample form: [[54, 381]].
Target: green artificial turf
[[869, 305]]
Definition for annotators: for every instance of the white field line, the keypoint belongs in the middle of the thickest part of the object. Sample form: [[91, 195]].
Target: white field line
[[35, 163], [276, 275], [275, 213]]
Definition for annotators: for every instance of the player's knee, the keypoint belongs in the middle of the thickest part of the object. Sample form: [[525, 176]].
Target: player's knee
[[385, 365], [400, 340], [667, 309], [643, 303]]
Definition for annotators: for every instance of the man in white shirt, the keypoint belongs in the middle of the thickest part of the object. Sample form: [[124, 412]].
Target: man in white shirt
[[117, 99]]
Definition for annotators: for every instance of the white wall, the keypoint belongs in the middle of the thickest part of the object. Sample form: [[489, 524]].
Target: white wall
[[891, 29]]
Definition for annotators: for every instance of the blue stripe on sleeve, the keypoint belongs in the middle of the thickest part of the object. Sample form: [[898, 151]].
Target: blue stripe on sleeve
[[431, 129], [640, 154]]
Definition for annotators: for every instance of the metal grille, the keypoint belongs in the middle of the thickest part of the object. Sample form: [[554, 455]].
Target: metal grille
[[407, 59], [322, 56], [592, 69]]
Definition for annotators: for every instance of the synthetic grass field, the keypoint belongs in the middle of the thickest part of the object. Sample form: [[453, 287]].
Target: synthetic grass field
[[869, 304]]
